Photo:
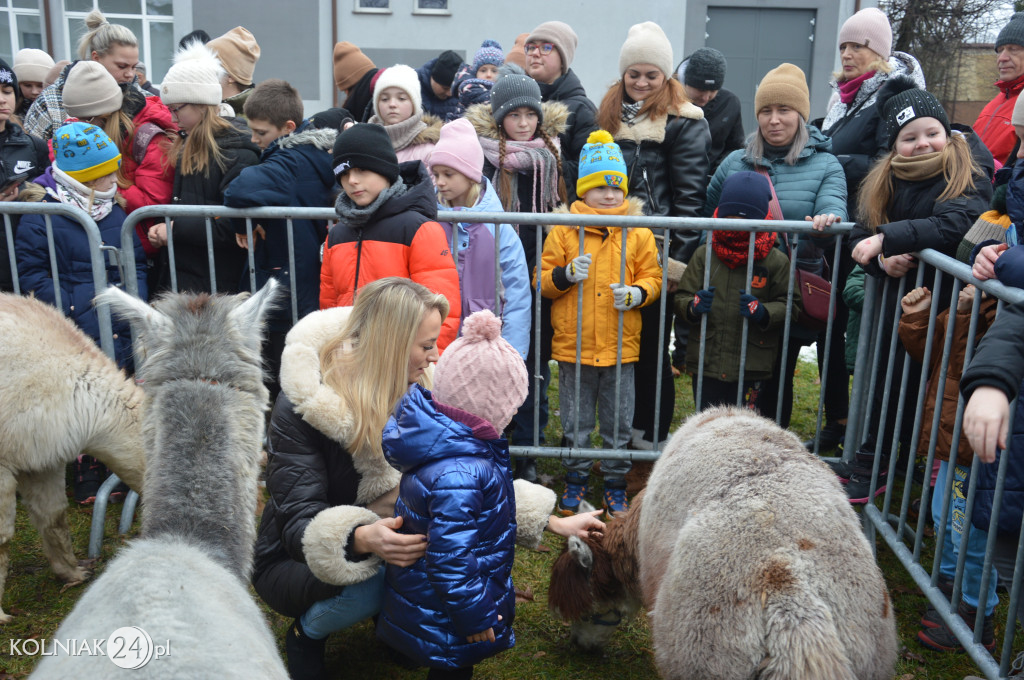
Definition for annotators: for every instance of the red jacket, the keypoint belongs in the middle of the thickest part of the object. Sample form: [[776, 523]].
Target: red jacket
[[993, 125], [400, 239], [152, 180]]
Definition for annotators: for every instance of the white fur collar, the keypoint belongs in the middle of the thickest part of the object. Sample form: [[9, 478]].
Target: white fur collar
[[653, 130]]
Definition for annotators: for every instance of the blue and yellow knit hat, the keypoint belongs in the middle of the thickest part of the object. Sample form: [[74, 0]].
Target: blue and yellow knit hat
[[84, 152], [601, 164]]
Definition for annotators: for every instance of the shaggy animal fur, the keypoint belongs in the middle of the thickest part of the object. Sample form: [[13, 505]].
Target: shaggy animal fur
[[186, 579], [60, 396], [753, 565]]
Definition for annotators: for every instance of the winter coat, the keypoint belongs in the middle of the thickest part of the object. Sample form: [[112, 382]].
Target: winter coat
[[456, 489], [913, 332], [582, 121], [600, 318], [446, 109], [475, 265], [74, 267], [22, 155], [725, 123], [994, 125], [421, 146], [295, 170], [47, 112], [666, 161], [858, 132], [853, 296], [189, 233], [237, 102], [151, 181], [321, 487], [403, 239], [769, 284], [554, 119], [30, 192]]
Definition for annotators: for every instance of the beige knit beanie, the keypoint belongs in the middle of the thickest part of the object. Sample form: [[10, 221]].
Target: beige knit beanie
[[238, 53], [559, 34], [90, 90], [647, 44], [31, 66], [784, 85], [1017, 117], [194, 78]]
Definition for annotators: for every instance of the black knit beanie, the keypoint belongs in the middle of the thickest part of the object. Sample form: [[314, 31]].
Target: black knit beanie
[[1012, 33], [910, 105], [512, 91], [365, 146], [443, 70], [7, 77], [705, 69]]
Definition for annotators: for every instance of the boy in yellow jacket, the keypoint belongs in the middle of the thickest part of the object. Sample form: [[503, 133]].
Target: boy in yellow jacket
[[567, 270]]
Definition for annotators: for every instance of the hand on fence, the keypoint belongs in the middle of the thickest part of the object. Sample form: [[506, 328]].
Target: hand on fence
[[752, 308], [701, 303], [985, 263], [626, 297], [257, 233], [916, 300], [897, 266], [579, 269], [868, 249], [986, 421], [821, 222], [965, 300], [10, 193], [157, 235]]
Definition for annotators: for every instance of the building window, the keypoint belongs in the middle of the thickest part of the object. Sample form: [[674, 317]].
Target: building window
[[20, 27], [152, 22], [373, 6], [432, 7]]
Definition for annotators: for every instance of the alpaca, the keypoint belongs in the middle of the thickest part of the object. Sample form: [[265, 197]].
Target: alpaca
[[185, 580], [748, 557], [60, 396]]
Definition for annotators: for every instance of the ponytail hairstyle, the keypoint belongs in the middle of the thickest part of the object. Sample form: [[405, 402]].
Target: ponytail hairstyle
[[196, 152], [959, 170], [102, 36], [670, 97]]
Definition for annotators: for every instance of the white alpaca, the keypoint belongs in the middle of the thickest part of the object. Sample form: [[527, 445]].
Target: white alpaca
[[59, 396], [185, 581]]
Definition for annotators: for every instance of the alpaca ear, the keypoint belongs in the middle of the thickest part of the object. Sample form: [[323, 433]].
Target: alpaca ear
[[250, 314], [581, 552], [143, 318]]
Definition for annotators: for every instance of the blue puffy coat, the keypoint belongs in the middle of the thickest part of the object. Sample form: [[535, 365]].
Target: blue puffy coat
[[74, 269], [456, 488]]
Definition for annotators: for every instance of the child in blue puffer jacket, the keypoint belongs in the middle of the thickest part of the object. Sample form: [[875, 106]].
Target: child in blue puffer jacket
[[454, 607]]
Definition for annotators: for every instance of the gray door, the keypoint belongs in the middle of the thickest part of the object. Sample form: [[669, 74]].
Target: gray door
[[754, 41]]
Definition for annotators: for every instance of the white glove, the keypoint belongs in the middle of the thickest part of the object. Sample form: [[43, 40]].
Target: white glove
[[626, 297], [579, 269]]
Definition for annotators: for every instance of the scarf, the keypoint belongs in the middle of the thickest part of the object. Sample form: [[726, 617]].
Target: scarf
[[917, 168], [531, 157], [630, 111], [356, 217], [72, 192], [848, 88], [401, 134], [732, 247], [581, 208]]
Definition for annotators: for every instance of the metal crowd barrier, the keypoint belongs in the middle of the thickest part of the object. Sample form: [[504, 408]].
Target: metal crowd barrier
[[100, 255]]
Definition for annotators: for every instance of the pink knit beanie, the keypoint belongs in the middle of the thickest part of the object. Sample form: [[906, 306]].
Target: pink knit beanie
[[459, 149], [870, 28], [480, 373]]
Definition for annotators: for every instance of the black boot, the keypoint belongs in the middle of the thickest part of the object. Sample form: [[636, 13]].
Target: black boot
[[832, 436], [305, 655]]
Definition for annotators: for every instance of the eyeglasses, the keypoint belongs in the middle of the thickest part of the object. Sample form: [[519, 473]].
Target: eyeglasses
[[542, 48], [175, 109]]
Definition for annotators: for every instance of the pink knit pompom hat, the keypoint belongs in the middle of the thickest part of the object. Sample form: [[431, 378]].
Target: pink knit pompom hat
[[480, 373], [459, 149]]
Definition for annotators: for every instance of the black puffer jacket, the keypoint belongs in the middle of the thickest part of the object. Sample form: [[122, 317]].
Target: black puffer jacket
[[582, 121], [189, 233], [725, 120], [667, 162]]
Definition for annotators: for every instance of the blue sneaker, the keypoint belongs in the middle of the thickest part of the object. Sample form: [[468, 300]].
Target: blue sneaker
[[616, 504], [576, 490]]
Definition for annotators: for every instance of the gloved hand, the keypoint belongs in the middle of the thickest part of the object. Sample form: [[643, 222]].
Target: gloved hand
[[579, 269], [701, 303], [626, 297], [752, 308]]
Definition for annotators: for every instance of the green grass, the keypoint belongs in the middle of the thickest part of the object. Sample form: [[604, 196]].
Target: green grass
[[542, 648]]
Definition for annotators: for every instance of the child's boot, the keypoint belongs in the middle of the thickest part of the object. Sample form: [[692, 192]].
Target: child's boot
[[616, 504], [305, 655], [575, 491], [941, 639]]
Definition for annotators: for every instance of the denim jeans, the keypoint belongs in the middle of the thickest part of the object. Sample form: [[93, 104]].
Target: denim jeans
[[355, 603]]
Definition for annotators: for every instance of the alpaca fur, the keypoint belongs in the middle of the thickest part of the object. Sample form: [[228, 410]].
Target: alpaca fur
[[60, 396], [185, 581], [753, 565]]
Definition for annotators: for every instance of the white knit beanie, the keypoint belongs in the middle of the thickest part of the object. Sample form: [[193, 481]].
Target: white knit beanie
[[194, 78], [870, 28], [404, 78], [31, 66], [647, 44], [90, 90]]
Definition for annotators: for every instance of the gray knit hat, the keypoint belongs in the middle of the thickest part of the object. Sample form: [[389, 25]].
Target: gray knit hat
[[1012, 33], [705, 69], [512, 91], [559, 34]]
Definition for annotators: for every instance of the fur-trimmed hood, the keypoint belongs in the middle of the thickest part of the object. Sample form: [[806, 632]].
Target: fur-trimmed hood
[[555, 119], [653, 129], [432, 133], [322, 139]]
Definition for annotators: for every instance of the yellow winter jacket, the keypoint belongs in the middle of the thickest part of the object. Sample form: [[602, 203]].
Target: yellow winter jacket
[[600, 318]]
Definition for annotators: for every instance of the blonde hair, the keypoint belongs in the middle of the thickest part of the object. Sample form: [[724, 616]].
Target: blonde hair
[[755, 144], [367, 362], [471, 197], [876, 191], [880, 65], [102, 36], [195, 153]]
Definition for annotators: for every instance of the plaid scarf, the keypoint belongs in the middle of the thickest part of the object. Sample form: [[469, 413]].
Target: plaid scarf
[[630, 111]]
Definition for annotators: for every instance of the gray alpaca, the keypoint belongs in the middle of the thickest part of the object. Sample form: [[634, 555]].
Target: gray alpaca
[[185, 581], [751, 563]]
